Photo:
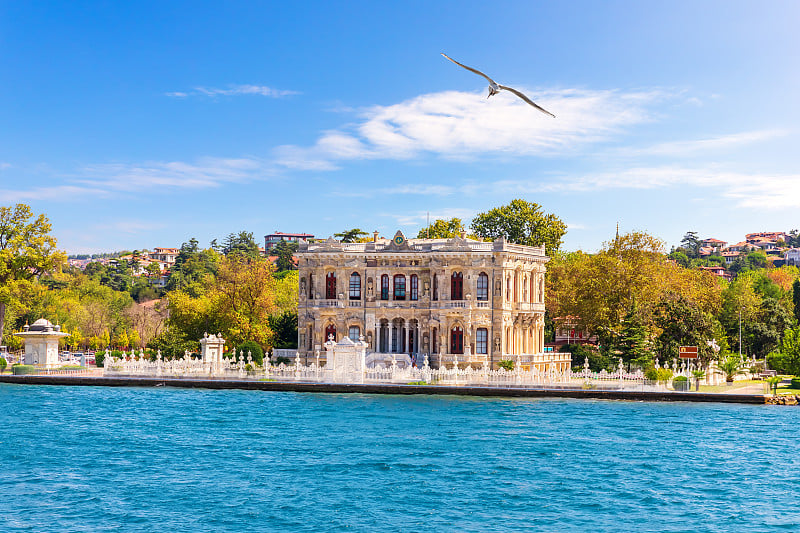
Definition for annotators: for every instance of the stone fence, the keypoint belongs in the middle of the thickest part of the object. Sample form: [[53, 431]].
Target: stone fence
[[346, 362]]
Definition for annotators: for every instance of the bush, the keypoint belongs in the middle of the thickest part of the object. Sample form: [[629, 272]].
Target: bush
[[255, 350], [23, 370], [664, 374], [597, 361], [796, 382], [3, 364], [173, 344], [508, 364], [660, 374], [680, 383], [99, 358]]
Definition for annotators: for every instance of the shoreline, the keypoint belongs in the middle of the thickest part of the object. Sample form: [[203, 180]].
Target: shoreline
[[381, 388]]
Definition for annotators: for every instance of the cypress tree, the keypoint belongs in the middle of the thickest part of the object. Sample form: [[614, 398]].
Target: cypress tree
[[633, 338]]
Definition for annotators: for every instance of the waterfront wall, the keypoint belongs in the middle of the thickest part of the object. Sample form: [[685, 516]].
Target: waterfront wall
[[513, 392]]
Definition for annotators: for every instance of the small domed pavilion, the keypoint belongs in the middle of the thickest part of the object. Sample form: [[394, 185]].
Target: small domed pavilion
[[41, 343]]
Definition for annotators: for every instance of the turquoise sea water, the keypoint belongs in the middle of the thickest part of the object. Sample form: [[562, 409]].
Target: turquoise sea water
[[125, 459]]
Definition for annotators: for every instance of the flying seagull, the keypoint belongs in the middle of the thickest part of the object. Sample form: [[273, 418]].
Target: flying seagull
[[495, 87]]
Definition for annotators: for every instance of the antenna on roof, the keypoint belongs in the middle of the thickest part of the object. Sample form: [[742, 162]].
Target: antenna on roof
[[428, 227]]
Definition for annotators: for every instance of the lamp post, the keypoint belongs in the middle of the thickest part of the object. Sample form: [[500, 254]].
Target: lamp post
[[740, 333]]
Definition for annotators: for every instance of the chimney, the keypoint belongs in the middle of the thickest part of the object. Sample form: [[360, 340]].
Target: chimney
[[375, 236]]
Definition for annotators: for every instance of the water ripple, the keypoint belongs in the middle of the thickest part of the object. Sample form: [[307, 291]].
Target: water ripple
[[115, 459]]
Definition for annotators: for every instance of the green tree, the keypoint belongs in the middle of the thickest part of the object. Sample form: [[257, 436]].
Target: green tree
[[752, 261], [597, 361], [691, 244], [796, 299], [441, 229], [698, 375], [285, 327], [253, 348], [633, 339], [173, 343], [764, 333], [121, 340], [793, 239], [730, 365], [237, 303], [241, 243], [351, 235], [191, 268], [739, 300], [142, 291], [521, 222], [680, 257], [285, 251], [153, 271], [27, 250], [134, 340], [682, 323]]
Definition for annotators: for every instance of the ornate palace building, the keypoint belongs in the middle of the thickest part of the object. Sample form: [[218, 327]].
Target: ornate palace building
[[450, 299]]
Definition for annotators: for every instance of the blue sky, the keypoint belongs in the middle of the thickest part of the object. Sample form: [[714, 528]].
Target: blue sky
[[147, 124]]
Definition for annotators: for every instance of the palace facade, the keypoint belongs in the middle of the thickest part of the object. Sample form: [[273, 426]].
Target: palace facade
[[450, 299]]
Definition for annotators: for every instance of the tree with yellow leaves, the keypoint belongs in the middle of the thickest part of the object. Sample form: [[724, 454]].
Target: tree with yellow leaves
[[27, 250]]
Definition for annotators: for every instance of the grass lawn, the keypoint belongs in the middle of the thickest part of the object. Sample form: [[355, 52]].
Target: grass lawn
[[735, 385]]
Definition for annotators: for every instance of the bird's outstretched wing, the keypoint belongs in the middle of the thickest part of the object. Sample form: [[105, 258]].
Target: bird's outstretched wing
[[531, 102], [478, 72]]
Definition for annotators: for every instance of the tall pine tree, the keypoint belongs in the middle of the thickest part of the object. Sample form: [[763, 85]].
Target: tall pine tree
[[796, 298], [633, 338]]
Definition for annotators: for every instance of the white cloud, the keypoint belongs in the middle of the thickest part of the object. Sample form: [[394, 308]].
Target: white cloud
[[233, 90], [704, 146], [420, 218], [154, 176], [133, 226], [58, 193], [410, 189], [461, 125], [749, 190]]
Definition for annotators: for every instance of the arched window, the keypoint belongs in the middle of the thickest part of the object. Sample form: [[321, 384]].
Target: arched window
[[355, 286], [533, 287], [330, 331], [354, 333], [541, 289], [435, 287], [311, 286], [516, 288], [457, 340], [330, 286], [457, 286], [482, 341], [399, 287], [384, 287], [483, 287], [414, 287], [508, 288]]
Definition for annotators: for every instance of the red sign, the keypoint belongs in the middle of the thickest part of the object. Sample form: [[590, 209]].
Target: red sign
[[687, 352]]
